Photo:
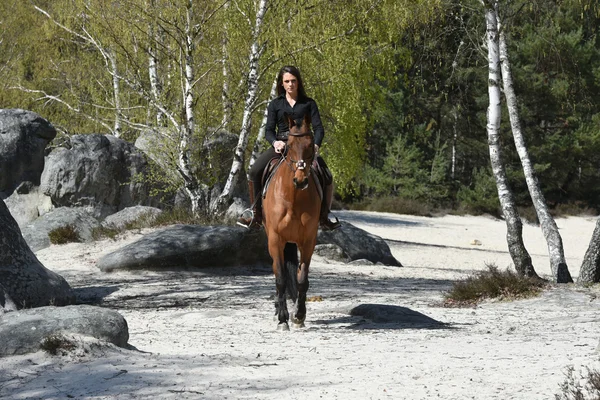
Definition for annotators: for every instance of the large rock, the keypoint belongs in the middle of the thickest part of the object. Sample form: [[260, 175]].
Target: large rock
[[129, 215], [24, 281], [190, 246], [359, 244], [23, 331], [102, 173], [23, 139], [27, 203], [36, 233]]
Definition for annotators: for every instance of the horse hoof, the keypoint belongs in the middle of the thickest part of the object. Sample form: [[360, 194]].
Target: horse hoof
[[283, 326], [298, 322]]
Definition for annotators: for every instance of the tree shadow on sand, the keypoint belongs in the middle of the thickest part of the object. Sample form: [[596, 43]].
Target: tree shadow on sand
[[385, 316], [375, 219]]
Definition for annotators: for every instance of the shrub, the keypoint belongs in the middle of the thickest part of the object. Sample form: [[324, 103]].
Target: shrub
[[64, 234], [571, 388], [104, 232], [53, 343], [492, 283]]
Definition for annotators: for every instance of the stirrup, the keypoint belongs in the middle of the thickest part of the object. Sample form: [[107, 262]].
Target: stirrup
[[329, 225], [247, 220]]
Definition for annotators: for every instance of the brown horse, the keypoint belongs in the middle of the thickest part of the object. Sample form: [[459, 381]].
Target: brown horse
[[291, 210]]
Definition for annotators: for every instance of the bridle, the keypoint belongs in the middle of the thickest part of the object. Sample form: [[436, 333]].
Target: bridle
[[301, 164]]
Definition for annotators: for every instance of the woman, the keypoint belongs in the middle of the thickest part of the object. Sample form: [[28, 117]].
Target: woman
[[293, 101]]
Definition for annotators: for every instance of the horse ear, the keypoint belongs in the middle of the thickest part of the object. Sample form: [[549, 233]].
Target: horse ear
[[307, 119], [289, 119]]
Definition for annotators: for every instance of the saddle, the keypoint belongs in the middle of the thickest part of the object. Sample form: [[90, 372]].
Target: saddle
[[321, 176]]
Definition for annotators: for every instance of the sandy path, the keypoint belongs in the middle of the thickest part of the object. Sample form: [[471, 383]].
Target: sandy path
[[210, 334]]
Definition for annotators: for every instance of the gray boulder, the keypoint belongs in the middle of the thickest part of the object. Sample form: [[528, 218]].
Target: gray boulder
[[102, 173], [129, 215], [332, 252], [190, 246], [22, 332], [36, 233], [27, 203], [390, 314], [23, 139], [358, 244], [24, 281]]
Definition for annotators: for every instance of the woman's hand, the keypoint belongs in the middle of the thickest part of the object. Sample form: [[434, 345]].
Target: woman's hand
[[316, 150], [278, 145]]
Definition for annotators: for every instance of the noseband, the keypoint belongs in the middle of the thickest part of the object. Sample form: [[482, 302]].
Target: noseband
[[301, 164]]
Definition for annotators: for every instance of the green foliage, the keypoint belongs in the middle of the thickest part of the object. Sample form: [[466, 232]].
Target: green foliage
[[482, 196], [401, 86], [491, 284], [64, 234]]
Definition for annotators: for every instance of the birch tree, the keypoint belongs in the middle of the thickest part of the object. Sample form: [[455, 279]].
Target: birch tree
[[109, 55], [256, 51], [514, 226], [590, 268], [558, 263]]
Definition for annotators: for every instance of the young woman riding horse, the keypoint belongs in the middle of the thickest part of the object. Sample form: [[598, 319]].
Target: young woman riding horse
[[293, 101]]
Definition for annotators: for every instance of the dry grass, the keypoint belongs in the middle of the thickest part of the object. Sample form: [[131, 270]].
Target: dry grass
[[53, 344], [573, 389], [64, 234], [492, 284]]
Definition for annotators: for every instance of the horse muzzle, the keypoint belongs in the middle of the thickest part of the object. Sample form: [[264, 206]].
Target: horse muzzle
[[303, 184]]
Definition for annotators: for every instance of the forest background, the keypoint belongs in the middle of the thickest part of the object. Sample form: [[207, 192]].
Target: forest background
[[402, 88]]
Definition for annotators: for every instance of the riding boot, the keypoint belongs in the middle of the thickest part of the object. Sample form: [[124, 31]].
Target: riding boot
[[324, 221], [252, 217]]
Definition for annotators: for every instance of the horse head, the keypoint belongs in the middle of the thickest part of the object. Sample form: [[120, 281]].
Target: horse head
[[300, 150]]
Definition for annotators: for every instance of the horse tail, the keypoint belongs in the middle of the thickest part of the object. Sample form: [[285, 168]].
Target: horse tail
[[290, 257]]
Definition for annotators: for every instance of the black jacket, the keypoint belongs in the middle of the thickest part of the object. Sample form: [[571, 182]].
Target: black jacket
[[279, 106]]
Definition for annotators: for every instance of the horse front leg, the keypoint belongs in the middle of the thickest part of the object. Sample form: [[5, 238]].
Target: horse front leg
[[281, 311], [306, 253]]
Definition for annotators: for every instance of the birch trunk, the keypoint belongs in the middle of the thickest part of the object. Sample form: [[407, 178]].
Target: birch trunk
[[238, 159], [153, 67], [558, 264], [116, 93], [514, 227], [225, 94], [590, 268], [257, 149], [192, 187]]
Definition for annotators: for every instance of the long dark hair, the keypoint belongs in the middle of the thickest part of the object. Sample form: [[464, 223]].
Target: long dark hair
[[290, 69]]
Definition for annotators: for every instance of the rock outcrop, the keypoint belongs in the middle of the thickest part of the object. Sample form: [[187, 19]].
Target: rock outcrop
[[24, 281], [23, 139], [102, 173], [23, 332]]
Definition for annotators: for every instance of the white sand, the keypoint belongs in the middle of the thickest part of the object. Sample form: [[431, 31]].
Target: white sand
[[210, 334]]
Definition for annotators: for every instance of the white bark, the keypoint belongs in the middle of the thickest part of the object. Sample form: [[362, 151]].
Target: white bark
[[514, 227], [191, 185], [558, 263], [225, 93], [590, 267], [454, 140], [257, 149], [249, 103], [116, 94], [153, 76]]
